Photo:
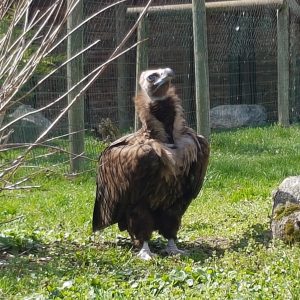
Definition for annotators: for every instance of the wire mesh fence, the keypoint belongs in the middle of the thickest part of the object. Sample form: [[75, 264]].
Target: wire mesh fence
[[242, 63]]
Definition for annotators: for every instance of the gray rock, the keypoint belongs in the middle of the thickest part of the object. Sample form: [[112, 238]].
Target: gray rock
[[288, 191], [28, 129], [231, 116], [285, 223]]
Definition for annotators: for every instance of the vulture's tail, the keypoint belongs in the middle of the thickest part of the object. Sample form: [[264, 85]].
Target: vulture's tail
[[96, 217]]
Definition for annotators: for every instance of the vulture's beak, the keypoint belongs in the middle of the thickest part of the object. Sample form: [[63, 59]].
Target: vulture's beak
[[166, 76]]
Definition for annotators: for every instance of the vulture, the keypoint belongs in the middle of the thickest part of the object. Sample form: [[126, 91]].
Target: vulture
[[146, 180]]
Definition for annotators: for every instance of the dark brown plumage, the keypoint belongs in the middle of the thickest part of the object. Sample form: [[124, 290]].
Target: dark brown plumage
[[146, 180]]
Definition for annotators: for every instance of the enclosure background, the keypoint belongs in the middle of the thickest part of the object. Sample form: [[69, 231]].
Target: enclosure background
[[242, 60]]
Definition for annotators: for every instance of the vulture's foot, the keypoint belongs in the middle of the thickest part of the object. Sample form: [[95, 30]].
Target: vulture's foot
[[172, 249], [145, 253]]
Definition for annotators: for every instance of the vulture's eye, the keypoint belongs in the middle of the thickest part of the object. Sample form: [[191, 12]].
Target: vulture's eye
[[152, 77]]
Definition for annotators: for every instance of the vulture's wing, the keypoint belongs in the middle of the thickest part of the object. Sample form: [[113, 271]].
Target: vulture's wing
[[198, 168], [122, 165]]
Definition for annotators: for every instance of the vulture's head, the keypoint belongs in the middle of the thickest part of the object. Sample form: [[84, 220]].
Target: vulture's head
[[156, 82]]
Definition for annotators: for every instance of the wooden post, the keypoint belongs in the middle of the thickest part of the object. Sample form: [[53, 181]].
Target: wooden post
[[283, 64], [201, 67], [123, 114], [74, 74], [141, 59], [293, 66]]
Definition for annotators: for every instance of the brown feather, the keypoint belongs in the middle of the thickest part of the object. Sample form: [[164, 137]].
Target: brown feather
[[147, 179]]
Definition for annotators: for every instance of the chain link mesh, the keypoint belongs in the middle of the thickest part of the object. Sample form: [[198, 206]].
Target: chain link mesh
[[242, 60]]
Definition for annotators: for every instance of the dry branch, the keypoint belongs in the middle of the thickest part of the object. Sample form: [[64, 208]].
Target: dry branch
[[15, 74], [12, 220]]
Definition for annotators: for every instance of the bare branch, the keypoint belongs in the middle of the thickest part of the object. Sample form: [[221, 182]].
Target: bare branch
[[22, 145], [25, 145], [84, 22], [12, 220], [15, 74], [56, 69], [18, 187], [96, 70]]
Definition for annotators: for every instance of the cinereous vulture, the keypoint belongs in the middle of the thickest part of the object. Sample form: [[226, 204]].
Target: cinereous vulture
[[146, 180]]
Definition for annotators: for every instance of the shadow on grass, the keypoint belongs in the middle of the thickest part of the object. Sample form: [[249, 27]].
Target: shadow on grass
[[26, 256], [204, 248], [60, 257], [11, 246], [256, 232]]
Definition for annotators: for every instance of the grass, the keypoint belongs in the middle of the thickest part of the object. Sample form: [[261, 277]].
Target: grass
[[50, 252], [54, 156]]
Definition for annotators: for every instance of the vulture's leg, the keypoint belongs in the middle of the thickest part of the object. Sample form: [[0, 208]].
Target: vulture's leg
[[145, 252], [172, 249], [169, 223], [140, 227]]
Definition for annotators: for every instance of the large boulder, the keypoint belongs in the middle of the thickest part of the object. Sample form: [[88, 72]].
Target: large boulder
[[285, 223], [231, 116], [28, 129]]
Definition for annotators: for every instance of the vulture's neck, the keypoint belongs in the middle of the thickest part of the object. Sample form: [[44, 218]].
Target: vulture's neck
[[162, 119], [164, 111]]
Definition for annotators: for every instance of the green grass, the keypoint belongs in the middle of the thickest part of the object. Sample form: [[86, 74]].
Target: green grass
[[50, 252], [53, 155]]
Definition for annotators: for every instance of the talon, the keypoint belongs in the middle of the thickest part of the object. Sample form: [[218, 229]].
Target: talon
[[172, 249], [145, 253], [175, 251]]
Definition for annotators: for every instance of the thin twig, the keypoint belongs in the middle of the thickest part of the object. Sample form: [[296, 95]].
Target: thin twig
[[83, 22], [96, 70], [15, 146], [86, 77], [23, 187], [56, 69], [18, 79], [12, 220], [96, 73]]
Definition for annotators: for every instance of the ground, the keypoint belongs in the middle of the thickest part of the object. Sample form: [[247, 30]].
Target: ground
[[49, 252]]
